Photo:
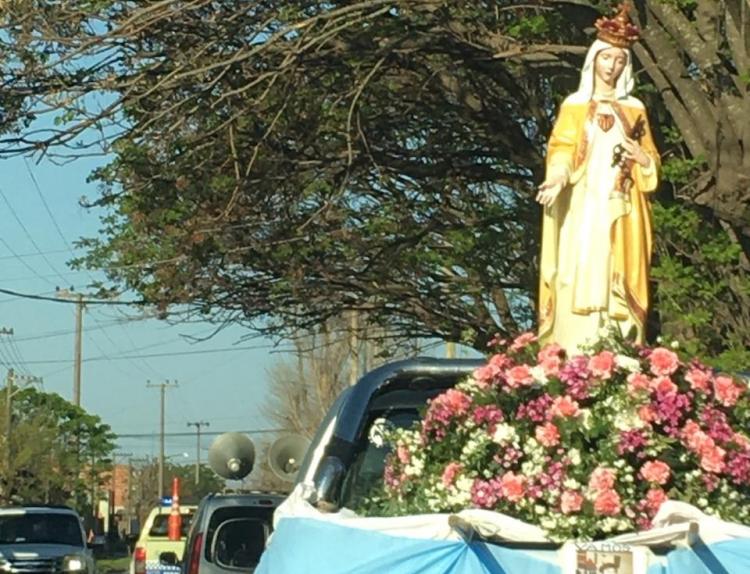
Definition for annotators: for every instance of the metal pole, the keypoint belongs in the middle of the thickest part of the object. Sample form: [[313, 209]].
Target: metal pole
[[8, 430], [77, 355], [197, 454], [161, 443], [198, 425], [163, 389]]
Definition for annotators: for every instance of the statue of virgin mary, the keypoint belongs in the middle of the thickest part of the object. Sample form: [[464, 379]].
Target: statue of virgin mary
[[601, 167]]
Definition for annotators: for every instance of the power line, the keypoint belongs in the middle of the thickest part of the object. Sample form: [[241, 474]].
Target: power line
[[25, 263], [192, 434], [152, 355], [35, 254], [28, 233], [70, 302]]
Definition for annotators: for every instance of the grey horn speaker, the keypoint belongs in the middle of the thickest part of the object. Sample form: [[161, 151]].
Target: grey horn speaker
[[286, 454], [232, 455]]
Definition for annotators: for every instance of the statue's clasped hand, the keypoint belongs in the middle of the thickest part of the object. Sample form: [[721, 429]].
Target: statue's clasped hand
[[630, 150], [549, 190]]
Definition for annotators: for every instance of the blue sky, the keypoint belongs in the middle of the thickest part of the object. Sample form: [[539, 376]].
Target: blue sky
[[223, 388]]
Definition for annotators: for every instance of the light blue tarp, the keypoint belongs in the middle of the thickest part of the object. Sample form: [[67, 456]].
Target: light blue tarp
[[309, 546]]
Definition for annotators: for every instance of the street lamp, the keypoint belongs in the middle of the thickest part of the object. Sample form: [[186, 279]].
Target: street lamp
[[181, 454]]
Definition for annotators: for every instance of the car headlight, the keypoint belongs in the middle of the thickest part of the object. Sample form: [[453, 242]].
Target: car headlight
[[74, 563]]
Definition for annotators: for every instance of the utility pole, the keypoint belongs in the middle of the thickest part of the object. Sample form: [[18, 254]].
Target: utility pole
[[8, 427], [198, 425], [450, 350], [78, 298], [354, 362], [77, 362], [163, 390]]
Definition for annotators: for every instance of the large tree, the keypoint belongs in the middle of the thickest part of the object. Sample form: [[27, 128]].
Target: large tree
[[57, 452], [278, 163]]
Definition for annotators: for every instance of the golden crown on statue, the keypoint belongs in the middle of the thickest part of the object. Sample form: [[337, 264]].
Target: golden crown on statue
[[618, 31]]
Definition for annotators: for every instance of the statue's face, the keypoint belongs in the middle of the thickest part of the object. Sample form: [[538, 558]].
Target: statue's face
[[609, 65]]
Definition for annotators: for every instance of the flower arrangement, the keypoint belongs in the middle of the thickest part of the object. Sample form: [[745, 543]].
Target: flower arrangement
[[585, 446]]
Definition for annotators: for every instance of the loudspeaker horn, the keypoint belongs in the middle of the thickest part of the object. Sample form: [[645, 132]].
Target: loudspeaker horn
[[232, 455], [286, 454]]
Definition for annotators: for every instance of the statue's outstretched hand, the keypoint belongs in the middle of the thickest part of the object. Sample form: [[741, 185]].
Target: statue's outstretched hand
[[550, 189]]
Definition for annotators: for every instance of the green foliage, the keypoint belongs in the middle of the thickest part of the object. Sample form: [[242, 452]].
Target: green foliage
[[702, 291], [530, 27], [58, 452], [680, 171]]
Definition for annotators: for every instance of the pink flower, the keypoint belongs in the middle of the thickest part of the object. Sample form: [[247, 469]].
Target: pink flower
[[741, 440], [500, 360], [602, 479], [602, 365], [513, 486], [663, 361], [551, 350], [519, 376], [638, 382], [691, 433], [656, 472], [647, 413], [727, 391], [547, 434], [664, 386], [483, 494], [570, 501], [457, 402], [699, 379], [450, 472], [563, 407], [712, 458], [522, 341], [551, 366], [550, 359], [486, 375], [607, 503], [403, 454], [655, 497]]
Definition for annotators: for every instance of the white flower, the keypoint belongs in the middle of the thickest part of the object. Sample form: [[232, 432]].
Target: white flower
[[627, 363], [627, 420], [539, 375], [675, 344], [571, 483], [504, 433], [415, 467], [584, 415], [575, 457]]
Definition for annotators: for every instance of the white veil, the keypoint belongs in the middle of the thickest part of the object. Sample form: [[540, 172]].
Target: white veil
[[625, 82]]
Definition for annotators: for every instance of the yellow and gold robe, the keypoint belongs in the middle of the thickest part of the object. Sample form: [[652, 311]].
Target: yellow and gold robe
[[600, 213]]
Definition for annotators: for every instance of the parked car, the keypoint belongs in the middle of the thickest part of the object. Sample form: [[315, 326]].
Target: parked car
[[229, 532], [154, 552], [43, 540]]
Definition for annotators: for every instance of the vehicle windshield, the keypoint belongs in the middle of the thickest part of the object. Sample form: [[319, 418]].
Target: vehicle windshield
[[160, 526], [39, 528], [366, 472]]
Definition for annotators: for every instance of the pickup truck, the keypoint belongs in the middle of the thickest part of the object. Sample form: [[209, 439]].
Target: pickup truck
[[154, 552], [316, 530]]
